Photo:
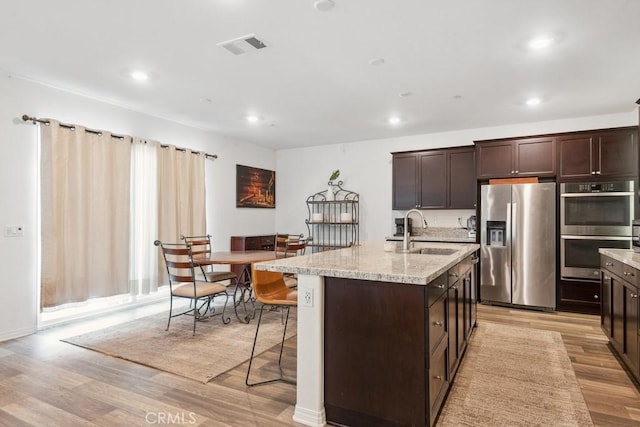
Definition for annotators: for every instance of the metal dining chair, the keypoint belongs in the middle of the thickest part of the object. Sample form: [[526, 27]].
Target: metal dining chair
[[183, 283]]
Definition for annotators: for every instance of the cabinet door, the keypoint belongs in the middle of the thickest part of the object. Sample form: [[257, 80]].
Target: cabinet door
[[495, 159], [535, 157], [617, 315], [631, 327], [616, 155], [405, 181], [605, 303], [576, 153], [462, 179], [433, 180], [452, 318]]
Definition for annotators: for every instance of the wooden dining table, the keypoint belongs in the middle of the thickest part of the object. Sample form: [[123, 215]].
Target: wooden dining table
[[243, 282]]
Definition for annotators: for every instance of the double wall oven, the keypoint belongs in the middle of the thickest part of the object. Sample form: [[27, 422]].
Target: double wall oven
[[593, 216]]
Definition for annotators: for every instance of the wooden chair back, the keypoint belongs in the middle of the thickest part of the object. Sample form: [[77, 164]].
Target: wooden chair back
[[200, 245], [178, 260]]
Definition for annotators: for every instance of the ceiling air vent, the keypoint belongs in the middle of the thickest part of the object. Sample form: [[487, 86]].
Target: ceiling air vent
[[245, 44]]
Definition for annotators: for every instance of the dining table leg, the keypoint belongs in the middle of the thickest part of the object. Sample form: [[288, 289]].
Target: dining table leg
[[243, 287]]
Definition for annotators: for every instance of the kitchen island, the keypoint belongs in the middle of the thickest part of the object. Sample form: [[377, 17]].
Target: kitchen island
[[620, 304], [380, 333]]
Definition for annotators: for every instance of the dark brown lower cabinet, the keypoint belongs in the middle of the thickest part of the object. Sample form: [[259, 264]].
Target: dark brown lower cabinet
[[578, 296], [388, 350], [620, 311]]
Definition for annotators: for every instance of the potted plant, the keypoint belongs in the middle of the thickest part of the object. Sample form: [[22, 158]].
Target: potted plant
[[330, 194]]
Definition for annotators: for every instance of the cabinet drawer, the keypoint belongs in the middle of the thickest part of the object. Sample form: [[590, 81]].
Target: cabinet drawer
[[438, 380], [621, 270], [453, 274], [437, 318], [435, 288]]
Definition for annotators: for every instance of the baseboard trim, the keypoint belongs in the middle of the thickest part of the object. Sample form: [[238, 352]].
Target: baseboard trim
[[309, 417], [17, 333]]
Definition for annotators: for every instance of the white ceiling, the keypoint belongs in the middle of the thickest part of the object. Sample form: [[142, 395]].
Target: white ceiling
[[313, 84]]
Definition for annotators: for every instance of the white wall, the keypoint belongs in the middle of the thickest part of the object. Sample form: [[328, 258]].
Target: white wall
[[366, 168], [18, 176]]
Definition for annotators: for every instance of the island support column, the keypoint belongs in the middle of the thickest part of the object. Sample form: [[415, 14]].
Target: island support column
[[310, 361]]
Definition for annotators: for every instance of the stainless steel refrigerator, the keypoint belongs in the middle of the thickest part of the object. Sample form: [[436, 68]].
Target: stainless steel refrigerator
[[518, 244]]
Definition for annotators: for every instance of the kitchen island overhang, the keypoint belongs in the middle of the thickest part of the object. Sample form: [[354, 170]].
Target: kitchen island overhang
[[365, 267]]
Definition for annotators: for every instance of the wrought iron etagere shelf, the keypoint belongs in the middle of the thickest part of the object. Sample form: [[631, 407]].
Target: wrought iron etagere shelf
[[333, 224]]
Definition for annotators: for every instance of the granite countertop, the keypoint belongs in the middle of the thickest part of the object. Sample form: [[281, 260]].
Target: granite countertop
[[375, 261], [437, 234], [625, 256]]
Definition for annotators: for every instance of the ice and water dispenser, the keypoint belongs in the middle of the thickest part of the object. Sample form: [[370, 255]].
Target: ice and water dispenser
[[496, 233]]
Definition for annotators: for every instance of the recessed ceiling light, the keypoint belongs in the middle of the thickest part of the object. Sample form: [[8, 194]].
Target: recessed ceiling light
[[140, 76], [394, 120], [540, 43], [252, 119], [532, 102]]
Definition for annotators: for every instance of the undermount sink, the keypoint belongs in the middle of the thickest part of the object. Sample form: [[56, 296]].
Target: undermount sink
[[437, 251], [428, 251]]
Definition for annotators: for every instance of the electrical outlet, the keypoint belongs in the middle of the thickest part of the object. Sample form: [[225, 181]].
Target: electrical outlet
[[307, 297]]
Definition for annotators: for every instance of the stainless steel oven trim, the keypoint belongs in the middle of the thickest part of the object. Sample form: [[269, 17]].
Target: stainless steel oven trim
[[603, 194], [574, 273], [596, 230]]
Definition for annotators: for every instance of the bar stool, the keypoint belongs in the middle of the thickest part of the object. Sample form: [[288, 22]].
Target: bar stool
[[271, 291]]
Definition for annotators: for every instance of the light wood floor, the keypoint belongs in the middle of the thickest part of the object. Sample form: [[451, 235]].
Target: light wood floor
[[44, 381]]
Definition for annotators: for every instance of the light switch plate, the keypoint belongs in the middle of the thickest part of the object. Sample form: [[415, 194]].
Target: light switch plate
[[14, 231]]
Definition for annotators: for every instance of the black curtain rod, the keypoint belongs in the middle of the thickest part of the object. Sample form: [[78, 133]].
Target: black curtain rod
[[46, 122]]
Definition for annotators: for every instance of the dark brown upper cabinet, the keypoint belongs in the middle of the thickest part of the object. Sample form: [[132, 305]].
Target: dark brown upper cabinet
[[434, 179], [523, 157], [599, 154]]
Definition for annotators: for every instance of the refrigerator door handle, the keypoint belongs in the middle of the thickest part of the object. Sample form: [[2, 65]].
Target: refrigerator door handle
[[509, 247], [508, 230]]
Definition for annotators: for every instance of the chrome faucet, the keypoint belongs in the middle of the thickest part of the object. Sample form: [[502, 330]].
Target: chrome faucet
[[407, 239]]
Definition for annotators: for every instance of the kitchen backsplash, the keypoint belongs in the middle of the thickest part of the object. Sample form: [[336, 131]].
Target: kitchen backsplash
[[440, 232], [439, 218]]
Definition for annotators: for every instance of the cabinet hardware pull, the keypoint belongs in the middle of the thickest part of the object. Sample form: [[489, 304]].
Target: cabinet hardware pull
[[606, 277], [593, 172], [633, 295], [512, 171], [626, 273], [438, 377], [438, 323], [453, 275], [598, 173], [608, 264], [440, 286], [454, 287], [517, 171], [596, 297]]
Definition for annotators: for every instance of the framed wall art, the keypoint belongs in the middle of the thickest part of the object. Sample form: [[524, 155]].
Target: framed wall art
[[255, 187]]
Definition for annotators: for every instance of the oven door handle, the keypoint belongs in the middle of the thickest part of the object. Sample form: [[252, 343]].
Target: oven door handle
[[573, 237], [617, 193]]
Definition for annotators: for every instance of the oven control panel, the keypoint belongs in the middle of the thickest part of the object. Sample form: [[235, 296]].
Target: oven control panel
[[597, 187]]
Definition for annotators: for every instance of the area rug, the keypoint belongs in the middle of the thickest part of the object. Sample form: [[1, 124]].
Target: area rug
[[215, 349], [514, 376]]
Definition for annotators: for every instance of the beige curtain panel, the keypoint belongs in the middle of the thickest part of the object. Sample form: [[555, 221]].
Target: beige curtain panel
[[181, 197], [85, 214]]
